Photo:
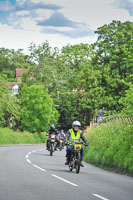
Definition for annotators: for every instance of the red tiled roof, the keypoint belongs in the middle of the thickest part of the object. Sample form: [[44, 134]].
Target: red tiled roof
[[11, 84], [19, 72], [76, 91]]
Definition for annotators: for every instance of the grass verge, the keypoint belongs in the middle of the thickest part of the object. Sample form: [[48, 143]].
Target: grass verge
[[8, 136], [111, 147]]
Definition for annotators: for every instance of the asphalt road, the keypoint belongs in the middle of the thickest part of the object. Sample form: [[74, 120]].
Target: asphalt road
[[29, 173]]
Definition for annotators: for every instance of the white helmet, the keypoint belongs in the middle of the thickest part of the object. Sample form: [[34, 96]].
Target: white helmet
[[76, 123]]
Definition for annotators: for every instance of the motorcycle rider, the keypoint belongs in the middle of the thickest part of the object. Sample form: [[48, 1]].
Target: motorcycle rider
[[75, 134], [54, 131], [62, 137]]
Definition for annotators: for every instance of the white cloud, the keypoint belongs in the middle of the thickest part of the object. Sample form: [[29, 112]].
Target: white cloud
[[16, 39], [95, 13], [87, 14], [22, 13]]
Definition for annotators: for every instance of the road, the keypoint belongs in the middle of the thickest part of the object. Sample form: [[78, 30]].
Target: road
[[27, 172]]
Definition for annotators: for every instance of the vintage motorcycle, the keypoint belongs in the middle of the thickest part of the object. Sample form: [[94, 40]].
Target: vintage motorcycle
[[75, 158], [62, 143], [52, 143]]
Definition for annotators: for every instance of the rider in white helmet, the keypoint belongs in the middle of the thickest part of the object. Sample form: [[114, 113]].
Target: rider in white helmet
[[75, 133]]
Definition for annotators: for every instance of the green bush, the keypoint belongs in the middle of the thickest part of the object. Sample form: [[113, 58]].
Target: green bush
[[38, 110], [111, 146], [8, 136]]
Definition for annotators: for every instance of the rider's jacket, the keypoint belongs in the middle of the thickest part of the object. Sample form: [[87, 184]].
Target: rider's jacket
[[61, 136], [52, 131], [75, 135]]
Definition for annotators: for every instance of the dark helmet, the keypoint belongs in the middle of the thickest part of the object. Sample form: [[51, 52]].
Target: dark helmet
[[76, 123], [52, 126]]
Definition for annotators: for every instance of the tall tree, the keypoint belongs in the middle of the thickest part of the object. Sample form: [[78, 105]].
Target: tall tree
[[113, 55], [9, 105], [10, 60], [38, 110]]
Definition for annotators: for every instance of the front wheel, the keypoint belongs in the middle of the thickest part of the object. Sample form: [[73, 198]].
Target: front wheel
[[51, 149], [70, 165], [77, 163], [60, 146]]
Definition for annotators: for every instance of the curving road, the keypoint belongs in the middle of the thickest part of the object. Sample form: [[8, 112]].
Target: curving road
[[29, 173]]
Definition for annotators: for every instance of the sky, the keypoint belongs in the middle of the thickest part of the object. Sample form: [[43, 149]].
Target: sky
[[60, 22]]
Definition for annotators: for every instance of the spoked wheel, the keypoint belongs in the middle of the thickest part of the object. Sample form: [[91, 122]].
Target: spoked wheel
[[51, 149], [60, 146], [70, 165], [78, 161]]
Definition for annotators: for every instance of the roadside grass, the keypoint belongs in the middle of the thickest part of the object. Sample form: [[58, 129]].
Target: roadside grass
[[111, 147], [8, 136]]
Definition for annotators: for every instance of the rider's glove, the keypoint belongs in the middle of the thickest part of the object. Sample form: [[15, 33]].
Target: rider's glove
[[87, 145]]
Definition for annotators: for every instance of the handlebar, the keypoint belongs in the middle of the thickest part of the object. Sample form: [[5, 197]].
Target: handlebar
[[72, 143]]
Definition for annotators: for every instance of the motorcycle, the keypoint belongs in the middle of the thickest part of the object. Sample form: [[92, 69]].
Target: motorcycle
[[52, 144], [61, 144], [75, 158]]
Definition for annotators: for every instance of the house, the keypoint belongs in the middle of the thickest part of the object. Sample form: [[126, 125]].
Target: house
[[15, 85], [19, 73], [76, 91]]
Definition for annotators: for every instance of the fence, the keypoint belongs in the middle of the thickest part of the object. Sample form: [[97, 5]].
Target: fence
[[123, 119]]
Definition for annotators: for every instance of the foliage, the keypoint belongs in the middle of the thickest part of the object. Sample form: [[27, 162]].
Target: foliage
[[71, 68], [10, 60], [128, 101], [113, 55], [9, 105], [38, 110], [111, 146], [8, 136], [101, 73]]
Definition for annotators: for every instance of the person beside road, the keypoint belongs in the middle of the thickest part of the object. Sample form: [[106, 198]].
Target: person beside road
[[74, 134]]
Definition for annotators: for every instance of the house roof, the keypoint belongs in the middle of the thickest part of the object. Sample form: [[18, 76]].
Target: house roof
[[19, 72], [11, 84]]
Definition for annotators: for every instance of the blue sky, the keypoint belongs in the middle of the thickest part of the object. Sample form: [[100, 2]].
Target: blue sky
[[58, 21]]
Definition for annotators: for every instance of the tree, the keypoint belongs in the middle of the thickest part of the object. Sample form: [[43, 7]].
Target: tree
[[9, 105], [113, 56], [10, 60], [127, 102], [38, 110], [68, 69]]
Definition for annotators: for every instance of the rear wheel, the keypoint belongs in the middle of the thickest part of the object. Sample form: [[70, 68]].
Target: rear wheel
[[78, 161]]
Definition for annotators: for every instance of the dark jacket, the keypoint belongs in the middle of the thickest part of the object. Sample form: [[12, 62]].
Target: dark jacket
[[52, 131]]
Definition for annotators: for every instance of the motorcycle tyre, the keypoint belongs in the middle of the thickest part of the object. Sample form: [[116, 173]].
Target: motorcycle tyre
[[60, 147], [70, 166], [51, 149], [78, 161]]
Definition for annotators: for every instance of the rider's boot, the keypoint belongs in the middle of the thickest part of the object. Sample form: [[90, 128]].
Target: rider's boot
[[67, 162], [81, 164]]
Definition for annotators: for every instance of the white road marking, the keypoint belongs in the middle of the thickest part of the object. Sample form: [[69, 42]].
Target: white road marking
[[39, 168], [29, 153], [28, 161], [64, 180], [100, 197], [27, 156]]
